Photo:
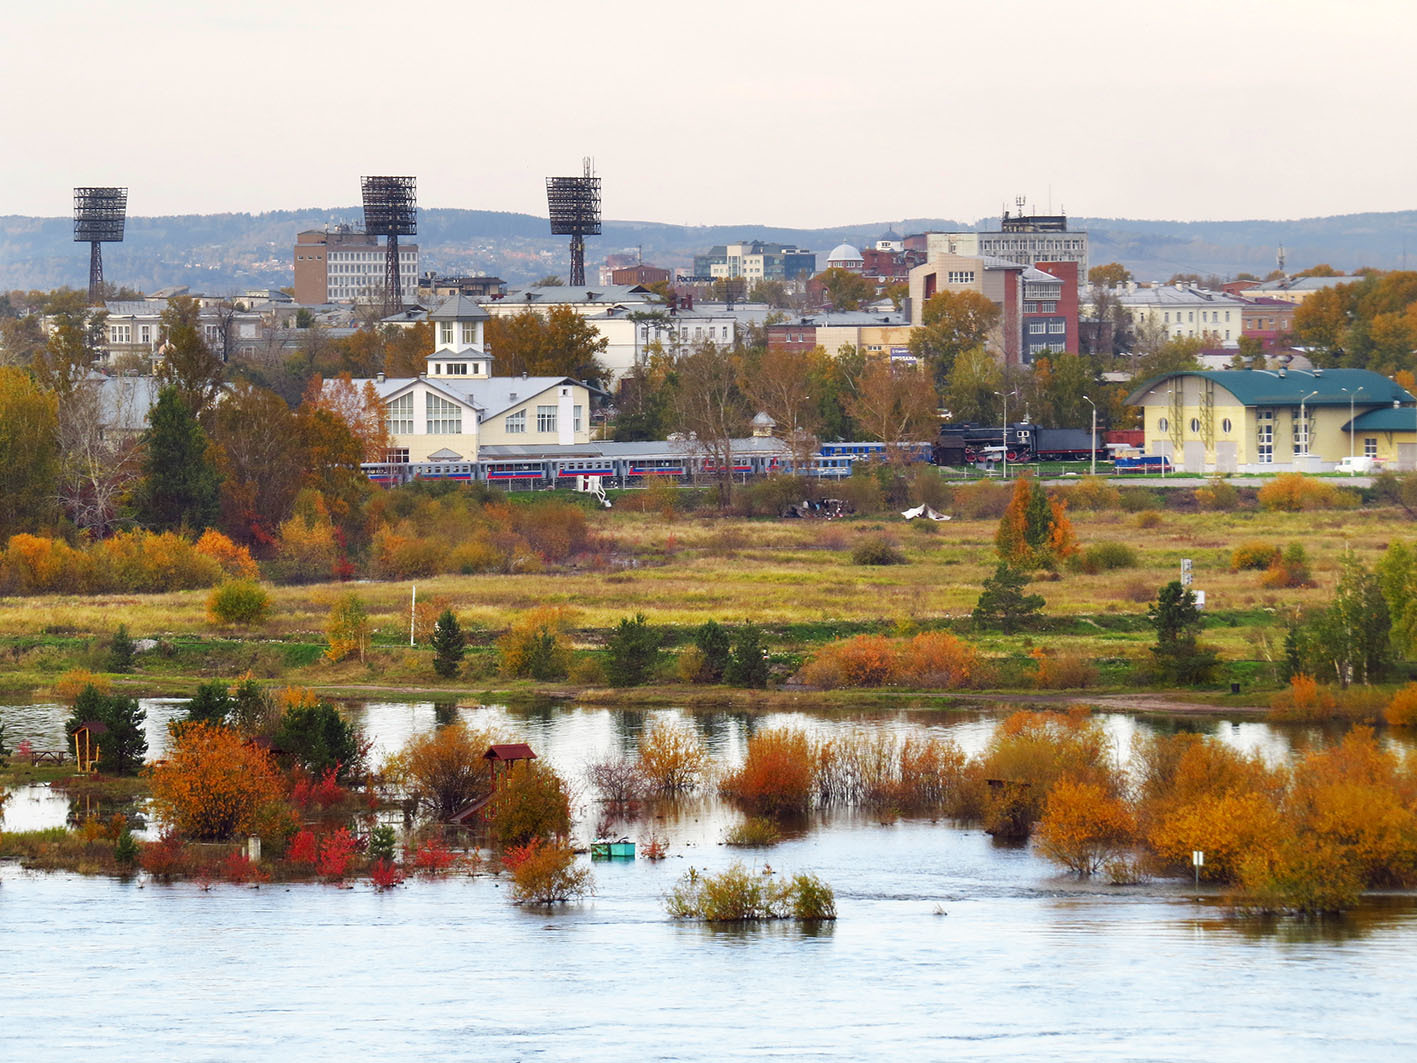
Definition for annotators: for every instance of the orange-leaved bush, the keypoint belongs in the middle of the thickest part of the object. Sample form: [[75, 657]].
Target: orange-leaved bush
[[213, 783]]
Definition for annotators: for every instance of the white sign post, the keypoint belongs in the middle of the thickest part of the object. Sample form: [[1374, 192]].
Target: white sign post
[[1186, 572], [1197, 862]]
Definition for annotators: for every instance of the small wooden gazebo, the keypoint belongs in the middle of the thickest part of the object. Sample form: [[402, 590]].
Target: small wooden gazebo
[[86, 747], [501, 758]]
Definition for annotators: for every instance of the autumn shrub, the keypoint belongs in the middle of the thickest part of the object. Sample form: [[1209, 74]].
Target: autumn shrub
[[1255, 554], [33, 564], [385, 874], [235, 560], [1293, 492], [618, 780], [862, 661], [238, 868], [475, 556], [1034, 531], [400, 554], [672, 758], [1106, 556], [239, 602], [1028, 753], [739, 895], [776, 776], [166, 857], [1289, 570], [1218, 496], [536, 645], [938, 659], [755, 832], [75, 681], [152, 562], [877, 550], [532, 801], [1141, 500], [1401, 711], [347, 628], [1305, 700], [1083, 826], [1297, 873], [1148, 519], [981, 500], [337, 852], [304, 848], [1226, 826], [547, 873], [930, 776], [306, 549], [431, 857], [212, 783], [1092, 494], [1063, 669]]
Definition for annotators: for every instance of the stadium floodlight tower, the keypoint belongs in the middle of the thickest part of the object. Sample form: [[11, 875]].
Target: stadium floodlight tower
[[575, 211], [99, 214], [391, 210]]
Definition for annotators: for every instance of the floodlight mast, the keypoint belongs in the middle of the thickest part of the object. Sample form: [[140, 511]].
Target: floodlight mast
[[390, 210], [99, 215], [574, 205]]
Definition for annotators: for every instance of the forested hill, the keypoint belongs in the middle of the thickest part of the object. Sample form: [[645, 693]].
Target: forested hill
[[222, 253]]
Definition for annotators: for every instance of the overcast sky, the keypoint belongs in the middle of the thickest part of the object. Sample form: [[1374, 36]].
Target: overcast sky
[[827, 113]]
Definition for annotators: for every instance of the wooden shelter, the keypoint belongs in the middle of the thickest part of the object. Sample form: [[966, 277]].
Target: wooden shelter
[[86, 747]]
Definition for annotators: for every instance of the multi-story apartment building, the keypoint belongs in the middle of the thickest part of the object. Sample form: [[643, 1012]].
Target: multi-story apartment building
[[756, 261], [1026, 239], [1180, 311], [340, 265]]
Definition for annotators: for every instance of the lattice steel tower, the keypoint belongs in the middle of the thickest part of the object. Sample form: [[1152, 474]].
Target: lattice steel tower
[[575, 210], [391, 210], [99, 214]]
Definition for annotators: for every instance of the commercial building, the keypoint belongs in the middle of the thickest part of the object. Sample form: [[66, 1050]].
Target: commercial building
[[876, 335], [1177, 311], [341, 265], [1276, 420]]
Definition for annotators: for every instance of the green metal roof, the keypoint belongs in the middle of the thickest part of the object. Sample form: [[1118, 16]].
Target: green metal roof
[[1384, 419], [1288, 387]]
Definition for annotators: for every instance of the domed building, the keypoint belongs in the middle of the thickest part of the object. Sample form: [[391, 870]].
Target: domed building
[[844, 256]]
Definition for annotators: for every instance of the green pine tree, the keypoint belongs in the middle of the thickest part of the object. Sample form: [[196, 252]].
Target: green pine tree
[[449, 645], [1003, 604], [124, 742], [748, 666], [180, 483], [717, 648], [121, 651], [633, 652]]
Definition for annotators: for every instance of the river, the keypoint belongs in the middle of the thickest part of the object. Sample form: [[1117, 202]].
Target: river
[[947, 946]]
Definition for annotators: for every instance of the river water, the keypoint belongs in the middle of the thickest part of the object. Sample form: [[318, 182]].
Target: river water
[[947, 946]]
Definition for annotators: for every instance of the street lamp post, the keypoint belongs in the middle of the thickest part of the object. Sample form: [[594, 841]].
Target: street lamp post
[[1304, 421], [1094, 433], [1005, 396]]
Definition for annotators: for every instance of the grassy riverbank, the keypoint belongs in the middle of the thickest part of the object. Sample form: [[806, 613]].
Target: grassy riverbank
[[796, 579]]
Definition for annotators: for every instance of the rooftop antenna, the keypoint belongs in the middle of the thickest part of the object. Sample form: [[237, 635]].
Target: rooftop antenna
[[574, 204], [390, 210], [1279, 258], [99, 214]]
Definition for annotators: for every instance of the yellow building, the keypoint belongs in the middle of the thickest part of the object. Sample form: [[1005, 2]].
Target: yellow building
[[458, 406], [1277, 420]]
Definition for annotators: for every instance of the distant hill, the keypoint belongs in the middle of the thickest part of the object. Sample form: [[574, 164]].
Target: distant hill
[[220, 253]]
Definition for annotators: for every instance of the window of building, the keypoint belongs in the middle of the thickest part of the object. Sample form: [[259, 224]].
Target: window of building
[[961, 276], [145, 334], [1037, 327], [546, 418], [456, 369], [119, 333], [1370, 446], [396, 455], [445, 333], [1030, 308], [1266, 437], [1195, 424], [400, 416], [516, 422], [1166, 318], [1225, 425], [444, 417], [1048, 308], [576, 418], [469, 333], [1057, 326], [211, 332], [1163, 425]]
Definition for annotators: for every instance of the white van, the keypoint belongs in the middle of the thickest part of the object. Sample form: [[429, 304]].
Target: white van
[[1358, 463]]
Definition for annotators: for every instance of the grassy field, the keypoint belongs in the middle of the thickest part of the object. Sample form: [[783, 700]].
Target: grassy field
[[795, 577]]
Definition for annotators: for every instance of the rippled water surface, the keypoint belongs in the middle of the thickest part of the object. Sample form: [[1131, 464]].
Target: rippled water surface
[[947, 946]]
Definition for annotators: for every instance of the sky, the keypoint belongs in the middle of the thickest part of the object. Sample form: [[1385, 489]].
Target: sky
[[803, 115]]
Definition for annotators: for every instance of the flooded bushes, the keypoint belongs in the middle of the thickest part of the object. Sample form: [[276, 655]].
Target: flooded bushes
[[739, 895], [213, 784], [672, 759], [546, 873]]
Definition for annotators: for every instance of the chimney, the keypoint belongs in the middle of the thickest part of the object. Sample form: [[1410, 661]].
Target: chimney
[[380, 378]]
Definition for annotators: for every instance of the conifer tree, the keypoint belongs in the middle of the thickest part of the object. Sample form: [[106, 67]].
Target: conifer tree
[[449, 645], [1003, 604], [180, 486]]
